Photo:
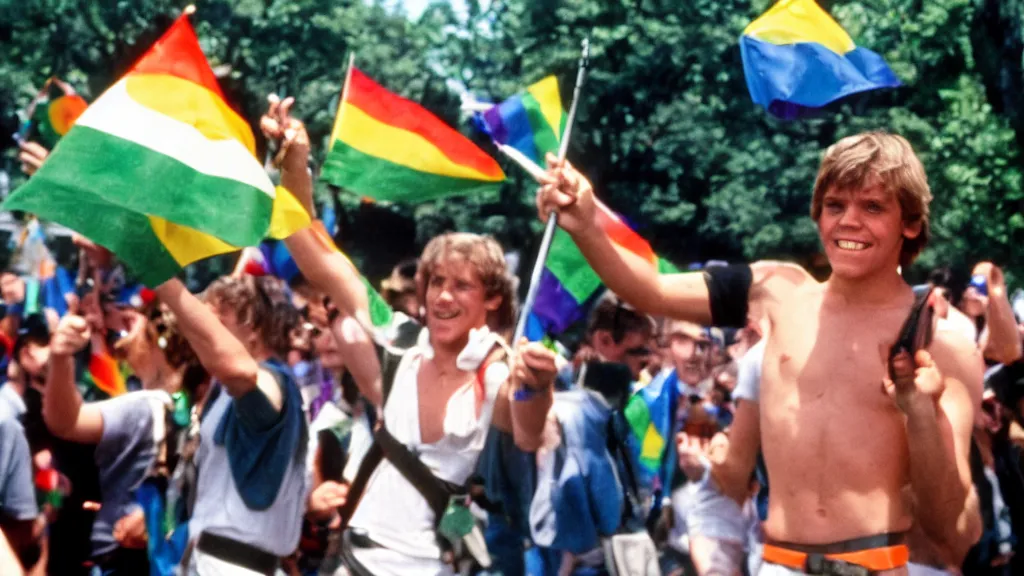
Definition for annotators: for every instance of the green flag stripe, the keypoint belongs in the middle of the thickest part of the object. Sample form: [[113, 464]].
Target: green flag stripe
[[383, 180], [121, 173], [103, 222]]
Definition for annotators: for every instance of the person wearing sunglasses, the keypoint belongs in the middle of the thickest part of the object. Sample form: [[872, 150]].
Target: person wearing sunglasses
[[617, 333]]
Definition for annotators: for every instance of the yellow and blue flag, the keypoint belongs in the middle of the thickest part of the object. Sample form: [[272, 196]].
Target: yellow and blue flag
[[796, 58]]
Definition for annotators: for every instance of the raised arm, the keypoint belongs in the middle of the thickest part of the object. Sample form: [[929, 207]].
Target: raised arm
[[1001, 341], [64, 413], [696, 296], [565, 191], [360, 355], [314, 252], [940, 399], [219, 351]]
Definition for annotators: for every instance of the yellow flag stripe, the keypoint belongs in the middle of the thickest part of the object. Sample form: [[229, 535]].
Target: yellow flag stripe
[[375, 138], [800, 21], [192, 104]]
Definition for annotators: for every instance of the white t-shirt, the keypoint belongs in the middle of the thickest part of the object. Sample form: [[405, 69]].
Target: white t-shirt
[[748, 380], [392, 512], [219, 507]]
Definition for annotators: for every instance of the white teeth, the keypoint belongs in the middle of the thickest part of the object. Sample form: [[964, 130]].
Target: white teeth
[[447, 316], [850, 245]]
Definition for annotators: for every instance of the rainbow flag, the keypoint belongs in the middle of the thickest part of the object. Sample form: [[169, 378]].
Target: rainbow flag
[[388, 148], [160, 170], [796, 58], [104, 373], [531, 122], [52, 113], [568, 283]]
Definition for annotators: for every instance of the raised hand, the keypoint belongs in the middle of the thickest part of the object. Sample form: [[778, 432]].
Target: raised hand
[[292, 157], [534, 366], [71, 336], [565, 191], [31, 156]]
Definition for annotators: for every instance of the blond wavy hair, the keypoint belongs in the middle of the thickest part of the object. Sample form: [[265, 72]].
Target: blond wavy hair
[[860, 161]]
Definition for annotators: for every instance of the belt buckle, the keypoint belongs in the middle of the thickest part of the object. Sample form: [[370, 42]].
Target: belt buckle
[[820, 565]]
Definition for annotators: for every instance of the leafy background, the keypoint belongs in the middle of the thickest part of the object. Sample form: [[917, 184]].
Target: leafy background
[[666, 129]]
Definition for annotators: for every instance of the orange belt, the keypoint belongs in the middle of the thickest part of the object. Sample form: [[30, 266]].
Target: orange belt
[[874, 559]]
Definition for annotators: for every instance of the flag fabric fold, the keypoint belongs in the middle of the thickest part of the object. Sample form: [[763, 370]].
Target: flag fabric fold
[[388, 148], [796, 58], [568, 283], [160, 170], [531, 122]]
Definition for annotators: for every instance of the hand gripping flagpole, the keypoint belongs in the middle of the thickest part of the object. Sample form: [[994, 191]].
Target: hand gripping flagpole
[[552, 224]]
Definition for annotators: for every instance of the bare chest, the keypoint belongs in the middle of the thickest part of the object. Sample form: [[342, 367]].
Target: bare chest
[[822, 390], [434, 391]]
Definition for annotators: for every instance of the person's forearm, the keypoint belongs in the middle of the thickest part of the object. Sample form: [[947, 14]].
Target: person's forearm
[[360, 358], [934, 478], [329, 271], [61, 400], [529, 417], [1004, 343], [300, 183], [637, 281], [223, 356]]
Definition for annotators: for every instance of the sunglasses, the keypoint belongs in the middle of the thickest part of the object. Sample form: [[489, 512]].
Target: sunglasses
[[638, 351]]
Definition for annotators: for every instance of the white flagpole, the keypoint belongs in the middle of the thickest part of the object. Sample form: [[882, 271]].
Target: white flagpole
[[552, 224]]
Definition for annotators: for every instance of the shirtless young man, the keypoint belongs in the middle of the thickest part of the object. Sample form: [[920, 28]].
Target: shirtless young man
[[840, 440]]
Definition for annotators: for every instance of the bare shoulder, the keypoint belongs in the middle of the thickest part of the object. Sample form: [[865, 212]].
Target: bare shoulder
[[775, 280], [775, 274], [958, 358]]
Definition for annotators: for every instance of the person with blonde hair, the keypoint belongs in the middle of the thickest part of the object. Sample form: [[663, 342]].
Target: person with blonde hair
[[846, 421], [439, 397]]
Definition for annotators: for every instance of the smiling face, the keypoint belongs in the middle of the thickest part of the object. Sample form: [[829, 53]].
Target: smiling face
[[871, 194], [456, 301], [863, 231]]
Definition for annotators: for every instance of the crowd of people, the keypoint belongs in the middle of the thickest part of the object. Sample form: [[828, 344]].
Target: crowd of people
[[736, 419]]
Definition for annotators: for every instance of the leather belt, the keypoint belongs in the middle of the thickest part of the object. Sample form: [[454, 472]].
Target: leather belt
[[238, 553]]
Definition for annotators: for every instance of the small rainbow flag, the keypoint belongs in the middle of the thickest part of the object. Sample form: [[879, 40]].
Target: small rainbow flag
[[568, 282], [160, 170], [388, 148], [531, 122], [796, 58], [105, 373]]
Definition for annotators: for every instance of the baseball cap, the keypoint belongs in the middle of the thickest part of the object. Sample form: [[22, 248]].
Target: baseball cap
[[33, 328]]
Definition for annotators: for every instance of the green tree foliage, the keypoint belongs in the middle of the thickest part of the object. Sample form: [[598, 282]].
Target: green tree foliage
[[666, 129]]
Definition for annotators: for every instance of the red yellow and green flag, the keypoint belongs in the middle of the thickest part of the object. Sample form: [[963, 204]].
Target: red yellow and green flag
[[388, 148], [160, 170]]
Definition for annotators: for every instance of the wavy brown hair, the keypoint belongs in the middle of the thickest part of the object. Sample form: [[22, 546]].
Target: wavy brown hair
[[859, 161], [485, 255], [259, 302]]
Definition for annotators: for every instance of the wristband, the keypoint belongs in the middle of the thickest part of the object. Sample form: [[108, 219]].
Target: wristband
[[15, 309], [523, 394]]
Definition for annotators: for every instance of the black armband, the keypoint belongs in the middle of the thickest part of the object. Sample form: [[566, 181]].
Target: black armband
[[729, 294]]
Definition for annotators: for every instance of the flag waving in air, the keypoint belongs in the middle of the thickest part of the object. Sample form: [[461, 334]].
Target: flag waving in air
[[796, 58], [568, 282], [531, 122], [388, 148], [160, 170]]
